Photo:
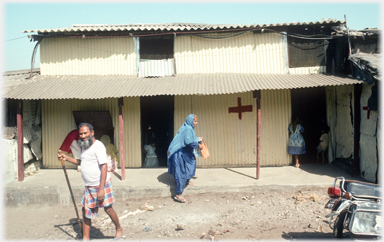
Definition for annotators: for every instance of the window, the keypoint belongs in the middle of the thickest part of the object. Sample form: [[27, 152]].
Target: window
[[306, 53], [156, 48]]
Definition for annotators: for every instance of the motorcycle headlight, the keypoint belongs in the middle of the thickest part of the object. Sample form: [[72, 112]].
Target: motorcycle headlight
[[366, 222]]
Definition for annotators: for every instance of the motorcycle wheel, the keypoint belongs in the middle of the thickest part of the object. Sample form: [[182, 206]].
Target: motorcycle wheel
[[339, 226]]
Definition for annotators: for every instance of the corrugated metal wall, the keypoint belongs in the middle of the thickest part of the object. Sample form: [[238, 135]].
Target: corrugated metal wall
[[276, 114], [96, 56], [132, 134], [246, 53], [231, 141], [58, 121], [308, 70], [156, 68]]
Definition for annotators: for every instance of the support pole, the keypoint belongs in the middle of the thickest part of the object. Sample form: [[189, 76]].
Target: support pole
[[257, 95], [121, 130], [20, 141], [356, 130], [349, 40]]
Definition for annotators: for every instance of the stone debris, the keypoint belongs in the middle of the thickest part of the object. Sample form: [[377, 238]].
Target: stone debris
[[233, 220], [140, 210], [146, 207], [301, 198], [319, 229], [211, 234], [180, 227]]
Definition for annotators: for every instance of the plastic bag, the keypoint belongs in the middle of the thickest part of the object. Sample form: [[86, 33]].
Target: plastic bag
[[204, 150], [201, 151], [197, 152]]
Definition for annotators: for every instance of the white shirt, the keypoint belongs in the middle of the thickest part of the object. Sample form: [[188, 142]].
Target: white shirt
[[76, 150], [91, 161]]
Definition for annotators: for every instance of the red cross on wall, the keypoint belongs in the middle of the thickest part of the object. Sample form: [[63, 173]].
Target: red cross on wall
[[240, 109], [367, 109]]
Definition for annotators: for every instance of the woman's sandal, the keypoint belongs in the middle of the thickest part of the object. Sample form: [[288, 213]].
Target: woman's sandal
[[297, 165], [179, 199]]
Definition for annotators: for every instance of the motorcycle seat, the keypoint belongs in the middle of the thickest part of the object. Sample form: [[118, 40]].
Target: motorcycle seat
[[362, 189]]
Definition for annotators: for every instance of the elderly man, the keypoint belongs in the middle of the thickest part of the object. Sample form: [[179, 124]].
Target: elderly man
[[98, 186]]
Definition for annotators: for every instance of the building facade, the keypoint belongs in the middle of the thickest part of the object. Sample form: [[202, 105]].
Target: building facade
[[158, 74]]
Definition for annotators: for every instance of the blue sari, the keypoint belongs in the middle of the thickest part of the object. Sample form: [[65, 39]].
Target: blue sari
[[181, 160]]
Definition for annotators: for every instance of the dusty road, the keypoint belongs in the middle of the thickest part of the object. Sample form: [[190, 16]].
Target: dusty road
[[295, 214]]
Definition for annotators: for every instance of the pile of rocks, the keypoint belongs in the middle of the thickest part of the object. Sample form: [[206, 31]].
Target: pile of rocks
[[31, 142]]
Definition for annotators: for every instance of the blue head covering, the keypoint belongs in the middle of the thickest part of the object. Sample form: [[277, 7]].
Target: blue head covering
[[184, 136]]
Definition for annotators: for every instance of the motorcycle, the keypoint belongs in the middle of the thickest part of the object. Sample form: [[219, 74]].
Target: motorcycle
[[357, 208]]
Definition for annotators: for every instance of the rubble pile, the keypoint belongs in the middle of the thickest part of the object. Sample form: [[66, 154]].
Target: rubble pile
[[32, 133]]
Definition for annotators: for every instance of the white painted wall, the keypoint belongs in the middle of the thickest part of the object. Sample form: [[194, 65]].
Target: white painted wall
[[339, 101], [368, 137], [10, 156], [344, 127], [339, 110]]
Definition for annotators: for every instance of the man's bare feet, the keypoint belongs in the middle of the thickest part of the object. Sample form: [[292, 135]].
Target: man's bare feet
[[119, 234]]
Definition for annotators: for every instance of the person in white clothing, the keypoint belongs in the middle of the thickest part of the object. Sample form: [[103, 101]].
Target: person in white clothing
[[151, 157], [98, 185]]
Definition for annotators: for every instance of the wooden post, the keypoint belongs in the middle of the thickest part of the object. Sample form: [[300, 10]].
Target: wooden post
[[20, 141], [121, 130], [356, 130], [257, 95]]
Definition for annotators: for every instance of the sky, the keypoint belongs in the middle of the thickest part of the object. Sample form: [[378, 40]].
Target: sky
[[18, 16]]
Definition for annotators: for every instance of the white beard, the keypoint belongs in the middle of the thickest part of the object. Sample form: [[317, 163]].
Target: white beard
[[85, 144]]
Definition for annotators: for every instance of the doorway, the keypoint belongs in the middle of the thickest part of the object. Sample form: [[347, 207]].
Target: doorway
[[157, 112], [310, 105], [100, 120]]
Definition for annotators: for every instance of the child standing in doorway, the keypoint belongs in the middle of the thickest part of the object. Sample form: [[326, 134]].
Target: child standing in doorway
[[323, 145], [151, 157]]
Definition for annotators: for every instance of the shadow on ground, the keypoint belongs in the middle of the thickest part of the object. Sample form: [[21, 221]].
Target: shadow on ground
[[307, 235], [168, 180], [328, 170]]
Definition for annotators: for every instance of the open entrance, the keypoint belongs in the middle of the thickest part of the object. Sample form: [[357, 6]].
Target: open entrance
[[100, 120], [157, 112], [310, 105]]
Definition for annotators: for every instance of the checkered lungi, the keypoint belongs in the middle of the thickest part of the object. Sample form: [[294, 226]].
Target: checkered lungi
[[90, 202]]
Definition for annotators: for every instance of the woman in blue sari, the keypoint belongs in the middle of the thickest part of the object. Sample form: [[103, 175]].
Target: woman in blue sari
[[181, 160]]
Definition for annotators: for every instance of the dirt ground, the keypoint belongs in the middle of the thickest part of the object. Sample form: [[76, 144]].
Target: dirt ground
[[295, 214]]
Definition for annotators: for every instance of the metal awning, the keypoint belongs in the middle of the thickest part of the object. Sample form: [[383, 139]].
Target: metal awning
[[99, 87], [76, 28]]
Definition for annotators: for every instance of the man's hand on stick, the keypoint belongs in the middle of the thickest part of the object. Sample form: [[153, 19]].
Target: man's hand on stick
[[100, 196], [61, 156]]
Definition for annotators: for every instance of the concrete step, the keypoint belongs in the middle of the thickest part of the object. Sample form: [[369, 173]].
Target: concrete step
[[49, 186]]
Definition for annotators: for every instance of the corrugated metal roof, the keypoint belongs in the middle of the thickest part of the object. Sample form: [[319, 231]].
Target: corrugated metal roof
[[11, 79], [171, 27], [372, 62], [98, 87]]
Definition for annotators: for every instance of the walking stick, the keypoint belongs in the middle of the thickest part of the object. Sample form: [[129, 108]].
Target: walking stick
[[70, 190]]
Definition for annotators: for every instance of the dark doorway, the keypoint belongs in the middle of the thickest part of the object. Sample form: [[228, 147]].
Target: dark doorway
[[310, 105], [157, 112], [100, 120]]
